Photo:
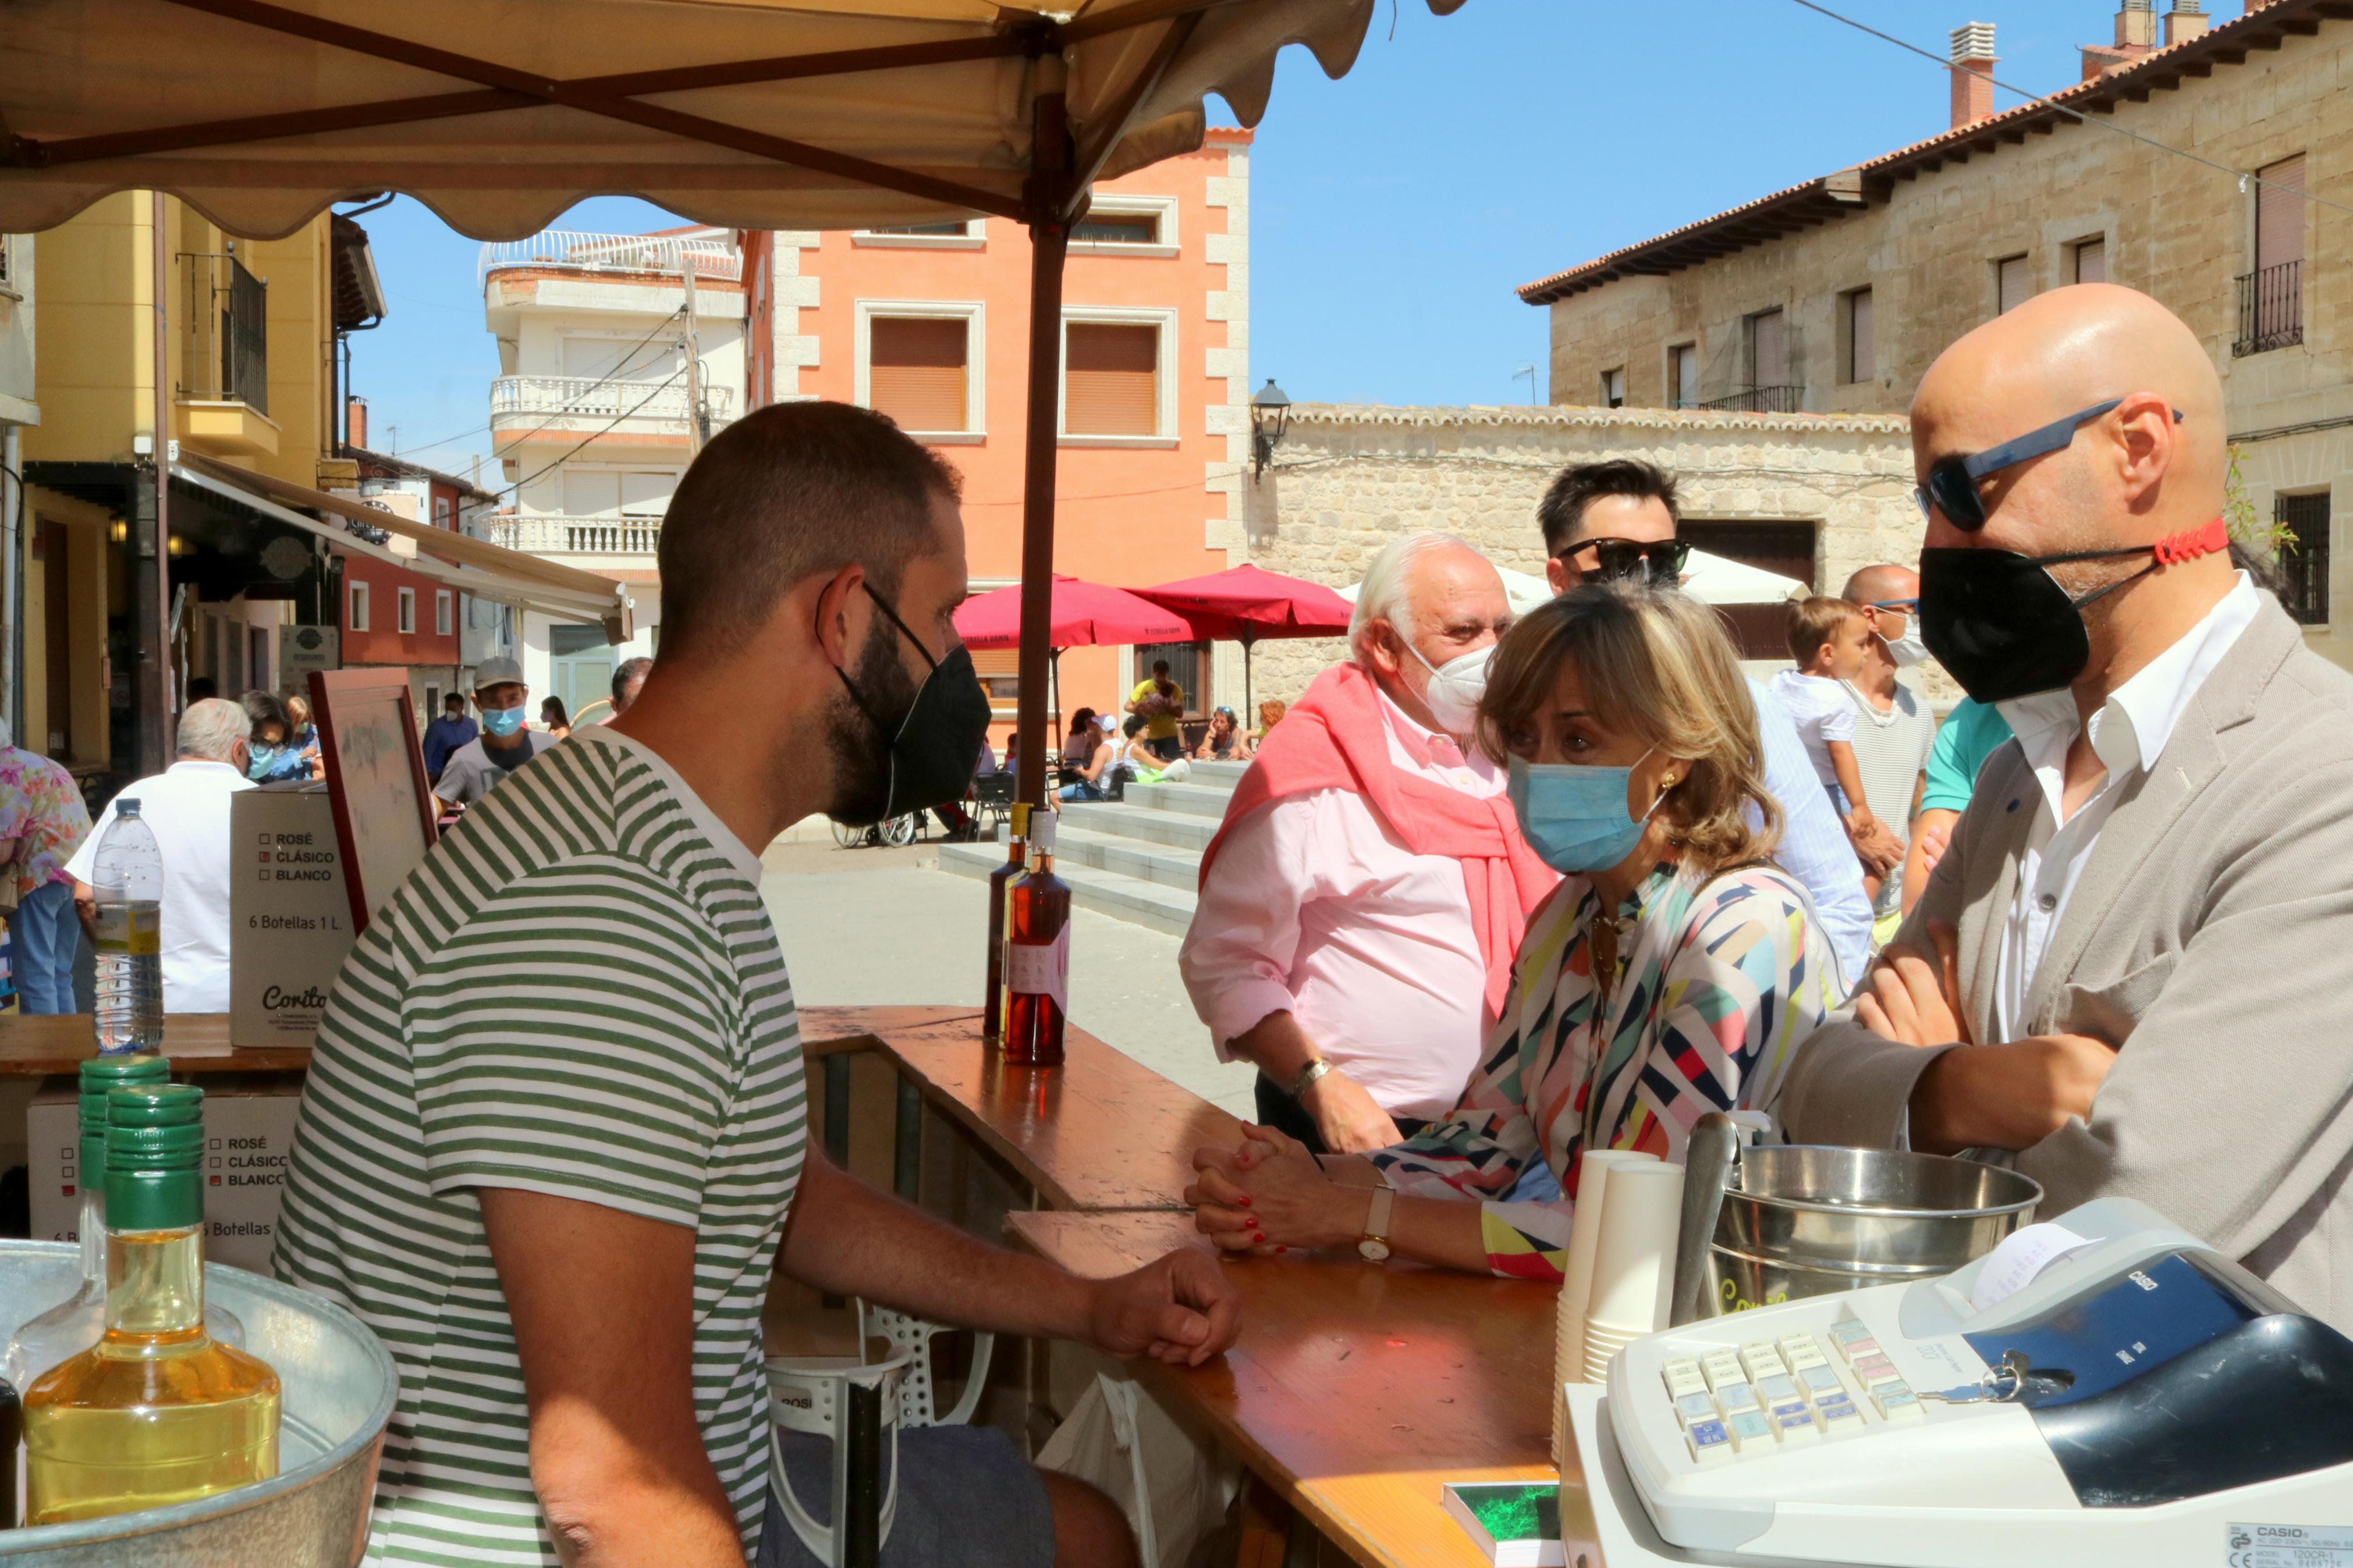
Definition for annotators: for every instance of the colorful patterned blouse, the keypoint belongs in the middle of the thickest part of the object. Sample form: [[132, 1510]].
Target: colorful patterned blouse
[[1717, 987], [39, 801]]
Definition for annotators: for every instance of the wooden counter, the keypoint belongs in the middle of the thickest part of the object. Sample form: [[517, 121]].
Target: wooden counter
[[1355, 1392], [36, 1044]]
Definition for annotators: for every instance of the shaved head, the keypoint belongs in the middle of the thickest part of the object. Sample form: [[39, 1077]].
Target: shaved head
[[1879, 584], [2128, 479]]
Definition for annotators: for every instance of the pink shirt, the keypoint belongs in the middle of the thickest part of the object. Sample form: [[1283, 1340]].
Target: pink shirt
[[1315, 908]]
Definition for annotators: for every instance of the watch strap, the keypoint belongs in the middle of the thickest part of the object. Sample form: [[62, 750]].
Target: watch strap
[[1376, 1218], [1308, 1075]]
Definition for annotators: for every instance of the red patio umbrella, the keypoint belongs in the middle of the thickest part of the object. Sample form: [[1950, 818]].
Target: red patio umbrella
[[1080, 615], [1248, 602]]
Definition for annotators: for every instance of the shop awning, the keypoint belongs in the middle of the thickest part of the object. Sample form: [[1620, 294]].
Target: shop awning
[[470, 565], [500, 114]]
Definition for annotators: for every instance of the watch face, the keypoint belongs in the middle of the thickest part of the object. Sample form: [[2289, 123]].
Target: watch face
[[1372, 1251]]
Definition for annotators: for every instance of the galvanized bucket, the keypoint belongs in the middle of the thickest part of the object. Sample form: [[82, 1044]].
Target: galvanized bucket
[[1800, 1220], [340, 1383]]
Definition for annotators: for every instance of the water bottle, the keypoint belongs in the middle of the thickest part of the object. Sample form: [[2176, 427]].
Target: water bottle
[[127, 874]]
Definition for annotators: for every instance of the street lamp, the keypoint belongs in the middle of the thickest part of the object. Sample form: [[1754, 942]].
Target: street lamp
[[1270, 416]]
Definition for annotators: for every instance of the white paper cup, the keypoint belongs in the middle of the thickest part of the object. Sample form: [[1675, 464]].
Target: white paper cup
[[1584, 1237], [1602, 1344], [1633, 1264]]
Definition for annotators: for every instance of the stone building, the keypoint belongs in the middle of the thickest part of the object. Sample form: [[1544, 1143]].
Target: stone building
[[1834, 296], [1813, 496]]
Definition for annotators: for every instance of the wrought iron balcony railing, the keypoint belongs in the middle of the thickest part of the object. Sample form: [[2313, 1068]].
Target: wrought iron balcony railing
[[1759, 400], [2271, 309]]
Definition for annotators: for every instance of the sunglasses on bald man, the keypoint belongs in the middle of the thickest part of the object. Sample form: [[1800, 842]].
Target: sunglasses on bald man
[[1952, 487]]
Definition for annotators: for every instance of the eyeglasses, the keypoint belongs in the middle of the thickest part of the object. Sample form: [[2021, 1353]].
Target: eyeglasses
[[1952, 487], [1901, 606], [1616, 558]]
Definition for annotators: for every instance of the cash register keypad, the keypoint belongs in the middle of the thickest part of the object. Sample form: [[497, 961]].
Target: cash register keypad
[[1752, 1399]]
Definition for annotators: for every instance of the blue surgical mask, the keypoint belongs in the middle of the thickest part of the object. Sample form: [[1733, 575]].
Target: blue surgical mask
[[503, 722], [1574, 817], [260, 757]]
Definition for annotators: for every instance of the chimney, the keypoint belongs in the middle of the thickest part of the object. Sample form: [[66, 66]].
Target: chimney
[[2185, 21], [2136, 25], [355, 422], [1973, 61]]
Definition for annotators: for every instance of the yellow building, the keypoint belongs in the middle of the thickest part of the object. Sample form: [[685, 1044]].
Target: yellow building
[[248, 332]]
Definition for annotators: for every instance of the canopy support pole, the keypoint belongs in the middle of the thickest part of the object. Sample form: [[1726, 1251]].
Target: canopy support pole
[[152, 527], [1051, 159], [1250, 708]]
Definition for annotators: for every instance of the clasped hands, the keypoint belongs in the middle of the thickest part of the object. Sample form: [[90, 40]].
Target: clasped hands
[[2009, 1094], [1269, 1196]]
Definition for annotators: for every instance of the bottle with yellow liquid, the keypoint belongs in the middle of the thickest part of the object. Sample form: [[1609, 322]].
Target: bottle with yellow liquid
[[157, 1412]]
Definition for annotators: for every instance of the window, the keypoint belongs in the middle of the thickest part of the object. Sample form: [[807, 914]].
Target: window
[[1860, 360], [359, 612], [921, 365], [2010, 285], [1118, 381], [588, 357], [1128, 224], [2304, 555], [6, 261], [2270, 298], [1759, 631], [433, 703], [1000, 670], [2092, 260], [445, 614], [955, 233], [952, 227], [1613, 388], [406, 609], [1189, 667], [1769, 351], [1682, 374]]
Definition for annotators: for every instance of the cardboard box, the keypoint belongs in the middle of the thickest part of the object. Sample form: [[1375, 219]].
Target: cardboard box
[[248, 1129], [290, 918]]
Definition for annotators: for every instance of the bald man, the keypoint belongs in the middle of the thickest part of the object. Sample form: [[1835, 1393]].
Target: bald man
[[2129, 968], [1893, 730]]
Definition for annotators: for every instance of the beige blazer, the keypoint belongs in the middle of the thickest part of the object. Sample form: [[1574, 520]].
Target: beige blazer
[[2209, 938]]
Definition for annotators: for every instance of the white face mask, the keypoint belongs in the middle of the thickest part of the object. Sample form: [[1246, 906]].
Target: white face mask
[[1907, 650], [1455, 691]]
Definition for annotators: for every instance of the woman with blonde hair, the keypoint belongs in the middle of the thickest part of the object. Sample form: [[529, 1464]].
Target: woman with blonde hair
[[1672, 972]]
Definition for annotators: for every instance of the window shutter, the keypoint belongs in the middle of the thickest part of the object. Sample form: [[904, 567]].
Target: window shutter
[[591, 492], [2279, 214], [2010, 284], [647, 495], [2092, 261], [1112, 380], [915, 371], [1863, 354], [1768, 344]]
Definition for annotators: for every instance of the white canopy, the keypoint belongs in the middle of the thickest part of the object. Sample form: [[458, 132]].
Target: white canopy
[[1711, 579], [499, 114]]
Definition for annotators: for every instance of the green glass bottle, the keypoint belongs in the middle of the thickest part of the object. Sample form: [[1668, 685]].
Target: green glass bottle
[[157, 1412]]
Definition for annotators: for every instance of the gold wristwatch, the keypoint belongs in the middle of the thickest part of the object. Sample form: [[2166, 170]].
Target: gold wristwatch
[[1373, 1247]]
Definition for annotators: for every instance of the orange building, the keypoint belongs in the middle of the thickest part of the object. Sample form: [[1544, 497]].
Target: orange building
[[930, 324]]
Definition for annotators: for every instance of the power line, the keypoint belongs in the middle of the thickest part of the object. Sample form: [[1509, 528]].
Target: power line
[[516, 488], [613, 374], [2244, 176]]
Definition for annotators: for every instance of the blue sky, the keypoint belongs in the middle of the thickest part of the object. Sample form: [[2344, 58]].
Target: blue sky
[[1394, 211]]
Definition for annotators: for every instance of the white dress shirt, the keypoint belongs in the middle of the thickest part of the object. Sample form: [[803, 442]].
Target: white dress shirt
[[1314, 907], [2128, 733], [186, 807]]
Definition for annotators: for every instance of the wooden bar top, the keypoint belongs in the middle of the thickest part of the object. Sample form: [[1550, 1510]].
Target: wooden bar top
[[1356, 1391], [1101, 1132]]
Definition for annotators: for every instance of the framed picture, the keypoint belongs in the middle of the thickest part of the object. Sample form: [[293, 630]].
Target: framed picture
[[375, 779]]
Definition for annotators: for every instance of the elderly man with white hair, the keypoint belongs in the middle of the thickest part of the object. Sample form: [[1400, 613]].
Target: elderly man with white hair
[[1360, 908], [186, 807]]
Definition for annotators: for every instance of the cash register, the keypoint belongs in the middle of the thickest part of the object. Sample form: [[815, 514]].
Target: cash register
[[2139, 1399]]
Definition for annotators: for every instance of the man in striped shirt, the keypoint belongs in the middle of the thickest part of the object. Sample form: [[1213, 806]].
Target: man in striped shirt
[[552, 1143]]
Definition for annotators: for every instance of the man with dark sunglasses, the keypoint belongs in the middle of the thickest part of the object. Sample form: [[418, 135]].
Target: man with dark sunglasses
[[2128, 967], [1618, 518]]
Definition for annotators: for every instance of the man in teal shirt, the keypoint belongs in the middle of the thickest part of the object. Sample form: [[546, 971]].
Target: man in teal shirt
[[1971, 731]]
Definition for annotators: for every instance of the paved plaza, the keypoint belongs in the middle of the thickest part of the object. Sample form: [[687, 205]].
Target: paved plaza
[[876, 926]]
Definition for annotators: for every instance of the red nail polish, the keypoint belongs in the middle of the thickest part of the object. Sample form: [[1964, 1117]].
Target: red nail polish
[[1243, 1201], [1280, 1250]]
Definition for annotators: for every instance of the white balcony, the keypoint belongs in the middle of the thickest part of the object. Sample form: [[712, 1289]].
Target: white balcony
[[551, 534], [570, 250], [581, 397]]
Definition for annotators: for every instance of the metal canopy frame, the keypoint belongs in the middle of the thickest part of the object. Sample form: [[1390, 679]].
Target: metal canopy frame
[[1053, 197]]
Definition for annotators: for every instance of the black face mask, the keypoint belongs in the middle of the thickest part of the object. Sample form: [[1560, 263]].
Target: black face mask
[[2002, 625], [934, 741]]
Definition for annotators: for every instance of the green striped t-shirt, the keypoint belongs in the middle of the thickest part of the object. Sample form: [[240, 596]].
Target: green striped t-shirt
[[578, 993]]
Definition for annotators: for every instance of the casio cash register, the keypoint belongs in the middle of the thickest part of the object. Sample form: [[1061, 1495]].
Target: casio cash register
[[2142, 1399]]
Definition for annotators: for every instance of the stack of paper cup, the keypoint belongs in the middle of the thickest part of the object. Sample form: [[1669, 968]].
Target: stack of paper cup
[[1576, 1286], [1633, 1261]]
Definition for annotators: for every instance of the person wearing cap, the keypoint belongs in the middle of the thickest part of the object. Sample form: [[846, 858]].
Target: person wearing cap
[[506, 743]]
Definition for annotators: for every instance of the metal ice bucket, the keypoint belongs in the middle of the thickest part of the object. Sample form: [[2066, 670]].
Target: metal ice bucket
[[339, 1383], [1798, 1220]]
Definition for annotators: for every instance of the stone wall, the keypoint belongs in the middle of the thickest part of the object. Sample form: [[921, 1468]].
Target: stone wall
[[1349, 478], [1928, 248]]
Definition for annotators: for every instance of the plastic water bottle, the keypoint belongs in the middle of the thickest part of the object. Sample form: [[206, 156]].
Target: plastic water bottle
[[127, 874]]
